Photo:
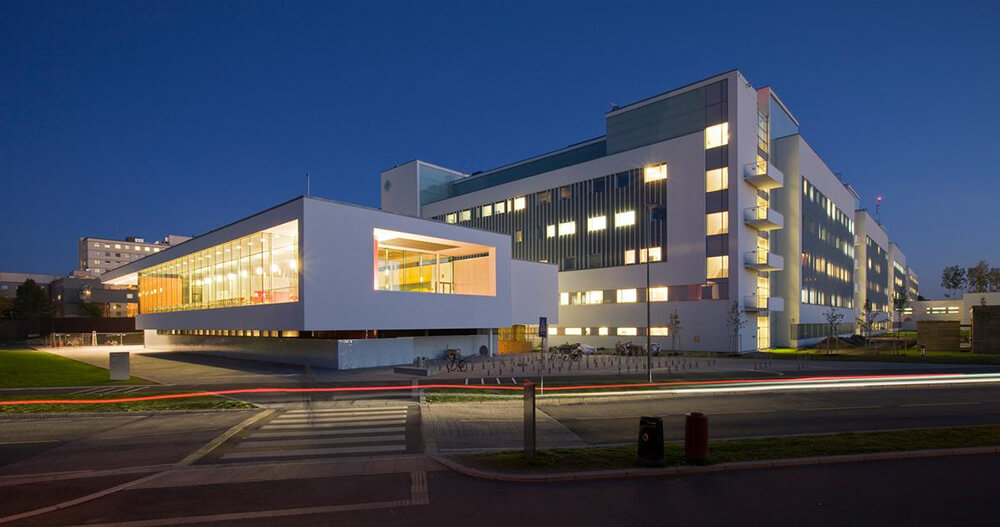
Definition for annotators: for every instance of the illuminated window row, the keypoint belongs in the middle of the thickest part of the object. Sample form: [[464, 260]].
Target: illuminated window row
[[655, 254], [230, 332], [656, 331]]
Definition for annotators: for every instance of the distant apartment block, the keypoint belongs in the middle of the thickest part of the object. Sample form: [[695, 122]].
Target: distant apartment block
[[99, 255]]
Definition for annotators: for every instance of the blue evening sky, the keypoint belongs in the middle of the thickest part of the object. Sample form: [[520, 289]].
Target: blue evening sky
[[155, 118]]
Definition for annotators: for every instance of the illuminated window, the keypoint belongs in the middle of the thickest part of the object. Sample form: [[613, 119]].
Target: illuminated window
[[597, 223], [553, 330], [717, 135], [156, 250], [451, 218], [718, 267], [567, 228], [563, 299], [573, 331], [627, 332], [654, 172], [658, 294], [627, 296], [630, 257], [602, 331], [717, 179], [654, 255], [487, 211], [465, 215], [519, 203], [624, 219], [518, 236], [147, 249], [500, 207], [118, 246], [717, 223], [550, 231], [594, 297], [659, 332], [220, 276]]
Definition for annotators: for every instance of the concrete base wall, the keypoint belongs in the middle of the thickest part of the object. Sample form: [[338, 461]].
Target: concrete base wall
[[939, 335], [323, 353]]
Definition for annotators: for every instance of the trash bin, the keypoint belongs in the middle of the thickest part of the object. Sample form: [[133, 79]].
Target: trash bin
[[650, 441], [696, 438]]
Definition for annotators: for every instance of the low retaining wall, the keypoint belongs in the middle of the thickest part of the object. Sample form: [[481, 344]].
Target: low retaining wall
[[322, 353]]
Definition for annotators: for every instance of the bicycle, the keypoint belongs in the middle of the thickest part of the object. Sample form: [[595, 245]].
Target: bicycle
[[456, 362]]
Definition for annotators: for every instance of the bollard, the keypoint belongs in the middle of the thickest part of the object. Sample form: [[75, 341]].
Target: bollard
[[696, 438], [529, 418]]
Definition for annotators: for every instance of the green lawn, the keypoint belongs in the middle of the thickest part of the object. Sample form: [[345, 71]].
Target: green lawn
[[732, 450], [26, 368], [190, 403], [910, 355]]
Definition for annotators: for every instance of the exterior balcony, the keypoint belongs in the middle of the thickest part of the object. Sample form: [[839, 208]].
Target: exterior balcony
[[763, 218], [762, 261], [763, 175], [763, 303]]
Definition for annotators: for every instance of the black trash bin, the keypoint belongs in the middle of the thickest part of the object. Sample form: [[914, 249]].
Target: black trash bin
[[650, 441]]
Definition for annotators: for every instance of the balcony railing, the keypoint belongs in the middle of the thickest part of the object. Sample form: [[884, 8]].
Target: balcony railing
[[763, 303], [763, 218], [763, 175], [763, 261]]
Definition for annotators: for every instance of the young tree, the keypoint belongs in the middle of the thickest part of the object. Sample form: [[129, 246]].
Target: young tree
[[675, 329], [32, 302], [953, 279], [978, 277], [833, 318], [900, 301], [865, 322], [735, 321], [994, 279]]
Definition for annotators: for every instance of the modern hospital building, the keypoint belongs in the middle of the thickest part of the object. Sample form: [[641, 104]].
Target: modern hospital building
[[710, 188]]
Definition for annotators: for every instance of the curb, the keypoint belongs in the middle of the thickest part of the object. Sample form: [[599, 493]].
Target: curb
[[631, 473], [141, 413]]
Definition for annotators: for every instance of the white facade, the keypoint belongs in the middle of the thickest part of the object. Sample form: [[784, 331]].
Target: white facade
[[766, 162], [338, 282]]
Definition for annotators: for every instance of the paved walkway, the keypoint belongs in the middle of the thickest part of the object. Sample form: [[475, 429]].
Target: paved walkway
[[454, 427]]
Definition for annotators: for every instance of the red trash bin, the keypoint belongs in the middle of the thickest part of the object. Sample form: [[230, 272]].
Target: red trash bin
[[696, 438]]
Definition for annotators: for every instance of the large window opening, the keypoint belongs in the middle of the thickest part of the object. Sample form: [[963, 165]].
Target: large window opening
[[422, 264], [261, 268]]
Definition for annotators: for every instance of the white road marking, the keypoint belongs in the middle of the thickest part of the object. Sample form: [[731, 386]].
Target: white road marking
[[934, 404], [358, 419], [348, 410], [838, 408], [332, 425], [315, 452], [386, 430], [325, 441]]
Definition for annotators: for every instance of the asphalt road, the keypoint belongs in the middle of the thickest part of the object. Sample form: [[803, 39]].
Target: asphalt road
[[938, 491], [780, 413]]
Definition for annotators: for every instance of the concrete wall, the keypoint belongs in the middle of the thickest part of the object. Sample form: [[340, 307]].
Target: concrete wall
[[337, 273], [534, 291], [399, 188]]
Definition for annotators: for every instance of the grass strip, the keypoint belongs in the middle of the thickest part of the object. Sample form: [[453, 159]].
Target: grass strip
[[906, 356], [733, 450], [27, 368], [192, 403]]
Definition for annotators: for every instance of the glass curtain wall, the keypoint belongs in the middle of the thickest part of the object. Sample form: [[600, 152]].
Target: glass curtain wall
[[261, 268]]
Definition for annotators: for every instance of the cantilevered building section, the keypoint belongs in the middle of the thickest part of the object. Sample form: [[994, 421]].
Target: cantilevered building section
[[331, 284], [711, 185]]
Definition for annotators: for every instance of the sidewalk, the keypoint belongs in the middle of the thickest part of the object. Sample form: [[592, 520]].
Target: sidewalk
[[457, 427]]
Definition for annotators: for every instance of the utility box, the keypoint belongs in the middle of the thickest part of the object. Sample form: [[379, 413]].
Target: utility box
[[119, 362]]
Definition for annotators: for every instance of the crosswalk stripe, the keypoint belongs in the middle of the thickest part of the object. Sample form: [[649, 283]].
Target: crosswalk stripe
[[348, 431], [326, 441], [315, 451], [348, 410], [343, 414], [296, 419], [330, 425]]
